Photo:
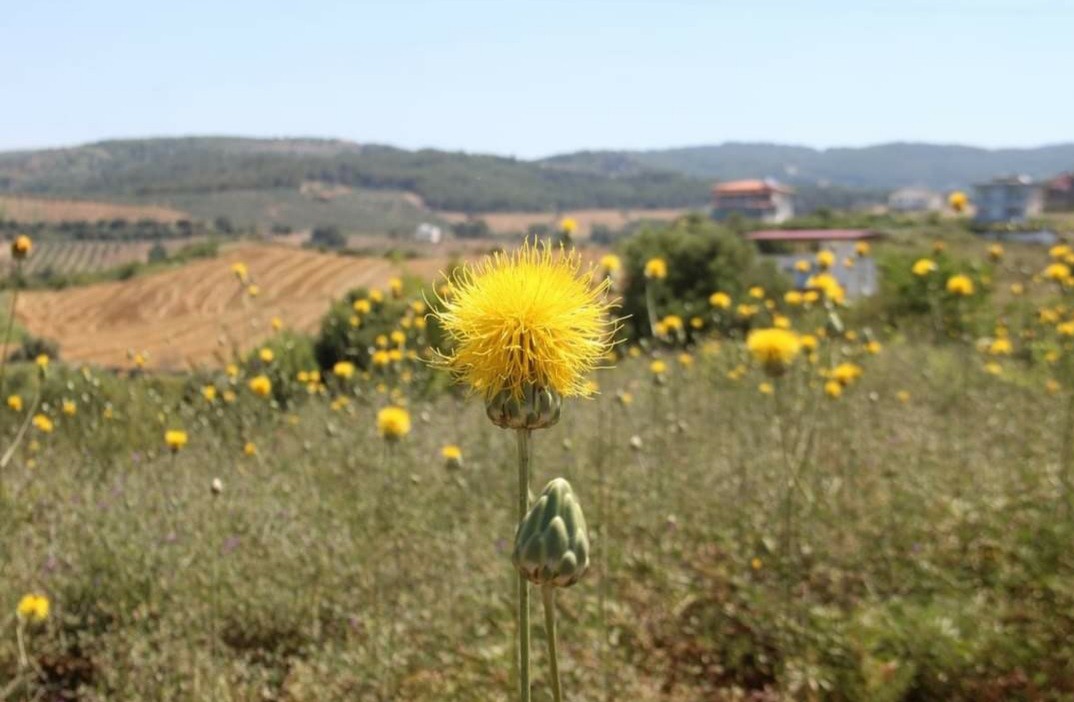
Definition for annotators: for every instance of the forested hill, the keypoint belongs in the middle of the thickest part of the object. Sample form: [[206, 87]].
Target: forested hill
[[444, 180]]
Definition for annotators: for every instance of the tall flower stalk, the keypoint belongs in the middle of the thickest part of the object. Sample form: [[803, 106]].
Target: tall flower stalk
[[526, 330]]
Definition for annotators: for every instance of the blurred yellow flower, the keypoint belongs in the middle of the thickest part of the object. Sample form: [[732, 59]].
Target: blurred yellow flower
[[253, 290], [995, 252], [833, 389], [673, 323], [873, 347], [846, 373], [362, 306], [756, 292], [793, 298], [568, 225], [827, 285], [14, 402], [175, 439], [42, 361], [69, 407], [960, 285], [610, 263], [658, 367], [686, 360], [343, 369], [1001, 347], [241, 271], [249, 449], [43, 424], [862, 248], [924, 266], [266, 355], [232, 371], [21, 247], [1058, 272], [803, 266], [33, 607], [393, 423], [774, 348], [902, 396], [720, 300], [261, 385], [209, 393], [957, 201], [451, 452], [1017, 289], [277, 324], [825, 259], [656, 269], [766, 388]]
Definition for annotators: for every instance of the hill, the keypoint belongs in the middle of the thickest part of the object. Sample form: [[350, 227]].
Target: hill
[[883, 166], [155, 170]]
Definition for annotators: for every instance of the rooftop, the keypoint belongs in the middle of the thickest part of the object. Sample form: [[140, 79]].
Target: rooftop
[[747, 187], [812, 235]]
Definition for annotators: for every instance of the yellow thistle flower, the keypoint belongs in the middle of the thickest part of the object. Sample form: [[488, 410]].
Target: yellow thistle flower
[[175, 439], [938, 247], [381, 358], [658, 367], [1065, 329], [568, 225], [993, 368], [249, 449], [277, 324], [610, 263], [756, 292], [673, 323], [848, 262], [803, 266], [833, 389], [902, 396], [362, 306], [398, 337], [745, 311], [766, 388], [846, 373], [810, 296], [1058, 272], [808, 342], [1060, 251], [781, 322], [393, 423], [793, 298], [69, 407], [42, 361], [720, 300], [33, 607], [451, 452], [960, 285], [656, 269], [343, 369], [209, 393], [957, 201], [862, 248], [395, 287], [266, 355], [14, 403], [1052, 386], [230, 396], [827, 285], [43, 424], [697, 323], [21, 247], [261, 385], [528, 319], [775, 349], [995, 252], [1017, 289], [825, 259], [624, 398], [376, 296], [241, 271], [253, 290], [232, 371], [686, 360], [924, 266], [1001, 347]]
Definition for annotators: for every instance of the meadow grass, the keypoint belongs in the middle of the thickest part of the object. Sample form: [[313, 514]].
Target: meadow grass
[[929, 557]]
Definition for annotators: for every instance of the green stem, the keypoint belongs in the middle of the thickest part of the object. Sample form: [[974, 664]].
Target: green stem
[[7, 338], [523, 617], [548, 593]]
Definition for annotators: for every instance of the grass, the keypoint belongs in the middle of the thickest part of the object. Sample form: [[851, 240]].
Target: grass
[[931, 559]]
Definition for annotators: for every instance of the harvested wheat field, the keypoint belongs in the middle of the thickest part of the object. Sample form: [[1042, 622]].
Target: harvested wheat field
[[195, 315], [35, 209]]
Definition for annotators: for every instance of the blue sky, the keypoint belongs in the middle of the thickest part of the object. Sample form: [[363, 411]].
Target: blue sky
[[536, 78]]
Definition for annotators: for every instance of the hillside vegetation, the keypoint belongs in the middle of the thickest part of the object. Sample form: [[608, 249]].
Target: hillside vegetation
[[156, 168]]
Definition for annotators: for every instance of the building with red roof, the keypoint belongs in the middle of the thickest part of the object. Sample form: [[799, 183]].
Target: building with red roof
[[764, 200]]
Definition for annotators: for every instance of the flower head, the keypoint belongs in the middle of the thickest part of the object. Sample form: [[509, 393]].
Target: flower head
[[957, 201], [924, 266], [568, 225], [774, 348], [610, 263], [960, 285], [825, 259], [261, 385], [43, 424], [175, 439], [343, 369], [656, 269], [720, 300], [33, 607], [393, 423], [20, 248], [527, 319], [14, 402]]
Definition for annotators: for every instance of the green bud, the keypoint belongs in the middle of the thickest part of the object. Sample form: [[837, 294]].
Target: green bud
[[551, 543], [537, 408]]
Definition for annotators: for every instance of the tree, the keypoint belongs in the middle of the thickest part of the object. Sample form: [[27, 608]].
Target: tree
[[157, 253], [328, 237]]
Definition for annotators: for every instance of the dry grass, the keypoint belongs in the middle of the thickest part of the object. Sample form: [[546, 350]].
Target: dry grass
[[195, 315], [32, 209]]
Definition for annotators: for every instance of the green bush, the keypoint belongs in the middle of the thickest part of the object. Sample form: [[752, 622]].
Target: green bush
[[702, 257]]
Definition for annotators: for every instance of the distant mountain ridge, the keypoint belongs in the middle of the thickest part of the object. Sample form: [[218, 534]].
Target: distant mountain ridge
[[883, 166], [162, 168]]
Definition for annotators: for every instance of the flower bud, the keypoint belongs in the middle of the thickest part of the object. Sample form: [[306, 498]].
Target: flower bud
[[551, 543], [537, 408]]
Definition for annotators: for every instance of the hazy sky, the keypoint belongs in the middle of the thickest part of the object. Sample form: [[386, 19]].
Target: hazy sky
[[535, 78]]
